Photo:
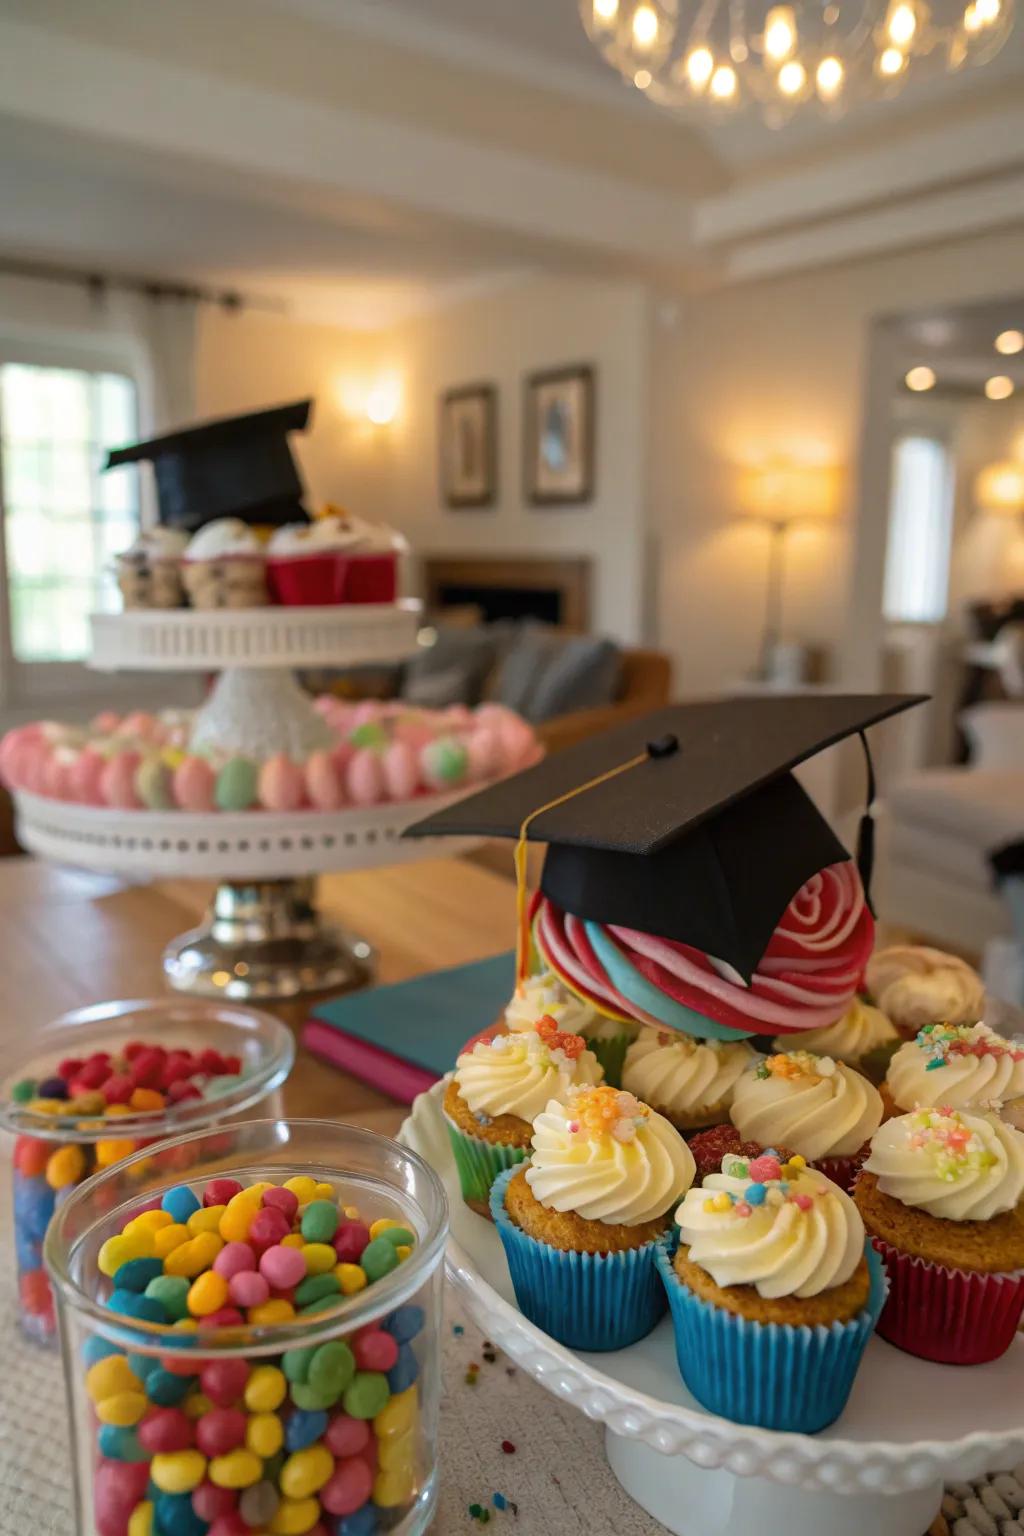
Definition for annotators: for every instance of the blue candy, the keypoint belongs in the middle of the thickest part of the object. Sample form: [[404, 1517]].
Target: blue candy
[[119, 1443], [135, 1274], [405, 1323], [166, 1388], [143, 1365], [362, 1523], [173, 1515], [304, 1426], [98, 1349], [34, 1203], [180, 1203], [131, 1304], [404, 1371], [29, 1253]]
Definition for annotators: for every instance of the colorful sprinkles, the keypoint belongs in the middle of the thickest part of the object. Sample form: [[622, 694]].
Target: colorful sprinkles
[[953, 1146], [605, 1111], [945, 1042], [795, 1066], [769, 1185]]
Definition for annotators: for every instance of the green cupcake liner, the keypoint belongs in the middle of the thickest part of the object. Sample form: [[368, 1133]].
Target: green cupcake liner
[[611, 1053], [479, 1163]]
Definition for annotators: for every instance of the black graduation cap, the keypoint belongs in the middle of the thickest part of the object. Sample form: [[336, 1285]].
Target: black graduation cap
[[705, 840], [237, 466]]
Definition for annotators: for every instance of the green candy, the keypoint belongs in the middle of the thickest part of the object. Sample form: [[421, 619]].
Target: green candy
[[371, 734], [235, 788], [311, 1399], [367, 1395], [399, 1236], [296, 1362], [172, 1292], [332, 1368], [322, 1304], [319, 1221], [378, 1258], [316, 1288], [23, 1091]]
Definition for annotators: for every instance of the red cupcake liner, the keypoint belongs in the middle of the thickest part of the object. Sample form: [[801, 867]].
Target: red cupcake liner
[[321, 580], [952, 1316], [841, 1170]]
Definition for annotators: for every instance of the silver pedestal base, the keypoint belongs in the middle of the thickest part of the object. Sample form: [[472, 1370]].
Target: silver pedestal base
[[265, 939]]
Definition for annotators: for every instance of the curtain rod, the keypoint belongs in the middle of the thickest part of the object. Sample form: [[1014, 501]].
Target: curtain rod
[[155, 288]]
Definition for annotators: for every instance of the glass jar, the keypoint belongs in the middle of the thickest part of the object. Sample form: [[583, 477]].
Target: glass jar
[[378, 1457], [54, 1153]]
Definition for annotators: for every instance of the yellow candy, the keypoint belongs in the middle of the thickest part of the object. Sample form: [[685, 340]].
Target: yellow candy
[[207, 1294], [351, 1213], [384, 1224], [140, 1522], [206, 1220], [403, 1250], [302, 1187], [266, 1389], [168, 1238], [255, 1191], [196, 1404], [191, 1258], [397, 1417], [148, 1221], [122, 1409], [264, 1434], [178, 1471], [324, 1192], [796, 1161], [186, 1325], [109, 1152], [118, 1250], [306, 1471], [398, 1453], [237, 1219], [48, 1106], [351, 1278], [65, 1166], [115, 1110], [238, 1469], [293, 1240], [390, 1489], [294, 1517], [276, 1310], [111, 1375], [172, 756], [319, 1257]]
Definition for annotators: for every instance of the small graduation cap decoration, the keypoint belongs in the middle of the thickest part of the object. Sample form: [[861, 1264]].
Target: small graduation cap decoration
[[237, 466], [686, 824]]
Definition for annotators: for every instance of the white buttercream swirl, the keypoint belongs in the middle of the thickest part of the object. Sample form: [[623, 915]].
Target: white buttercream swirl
[[940, 1067], [805, 1237], [964, 1167], [224, 538], [604, 1178], [681, 1075], [516, 1074], [916, 985], [810, 1104], [544, 995], [860, 1030]]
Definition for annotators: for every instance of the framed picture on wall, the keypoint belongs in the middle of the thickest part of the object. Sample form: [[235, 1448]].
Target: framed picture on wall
[[559, 436], [469, 446]]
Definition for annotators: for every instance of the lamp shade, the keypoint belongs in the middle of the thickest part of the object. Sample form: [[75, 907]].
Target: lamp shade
[[782, 491], [1000, 488]]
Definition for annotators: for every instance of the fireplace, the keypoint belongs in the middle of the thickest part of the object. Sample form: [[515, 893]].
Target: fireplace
[[552, 590]]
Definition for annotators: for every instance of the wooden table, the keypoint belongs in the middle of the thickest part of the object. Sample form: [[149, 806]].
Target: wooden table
[[69, 939]]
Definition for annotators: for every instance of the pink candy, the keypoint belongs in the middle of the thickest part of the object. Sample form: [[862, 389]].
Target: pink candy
[[323, 782], [374, 1349], [283, 1267], [248, 1289], [234, 1259], [345, 1436], [193, 785], [349, 1487]]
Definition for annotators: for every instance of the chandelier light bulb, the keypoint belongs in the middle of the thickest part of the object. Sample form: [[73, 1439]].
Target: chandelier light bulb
[[779, 33], [700, 64], [642, 79], [792, 78], [972, 21], [723, 83], [645, 27], [891, 62], [987, 11], [605, 11], [902, 24], [999, 387], [1009, 342], [919, 379], [829, 78]]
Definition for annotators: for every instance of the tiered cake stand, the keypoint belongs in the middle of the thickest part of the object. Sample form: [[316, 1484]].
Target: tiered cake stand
[[262, 936], [909, 1426]]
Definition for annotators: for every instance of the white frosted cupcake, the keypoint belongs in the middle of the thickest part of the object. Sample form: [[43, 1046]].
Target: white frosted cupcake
[[224, 566], [498, 1089], [689, 1081], [818, 1107], [545, 994], [964, 1066], [915, 985], [149, 571], [862, 1032], [334, 559]]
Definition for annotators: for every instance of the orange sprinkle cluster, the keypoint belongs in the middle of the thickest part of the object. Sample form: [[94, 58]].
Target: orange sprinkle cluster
[[791, 1065], [557, 1039], [606, 1111]]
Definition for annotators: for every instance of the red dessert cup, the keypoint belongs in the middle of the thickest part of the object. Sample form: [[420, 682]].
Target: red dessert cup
[[952, 1316], [329, 577]]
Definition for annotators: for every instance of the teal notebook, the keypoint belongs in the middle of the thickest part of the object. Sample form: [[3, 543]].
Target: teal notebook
[[402, 1038]]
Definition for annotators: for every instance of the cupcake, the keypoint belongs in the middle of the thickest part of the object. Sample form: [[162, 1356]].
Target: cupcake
[[581, 1222], [821, 1108], [149, 571], [710, 1147], [914, 986], [224, 566], [863, 1038], [959, 1066], [497, 1090], [545, 994], [334, 559], [689, 1081], [942, 1197], [773, 1292]]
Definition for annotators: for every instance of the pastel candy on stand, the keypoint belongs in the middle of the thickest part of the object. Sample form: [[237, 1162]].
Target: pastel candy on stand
[[401, 771], [364, 778], [117, 782], [85, 777], [153, 784], [194, 783], [444, 763], [280, 784], [324, 787], [236, 786]]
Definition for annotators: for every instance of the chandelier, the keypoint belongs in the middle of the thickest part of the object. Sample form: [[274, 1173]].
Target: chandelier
[[729, 54]]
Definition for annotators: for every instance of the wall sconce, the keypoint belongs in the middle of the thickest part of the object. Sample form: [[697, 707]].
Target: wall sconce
[[999, 488], [382, 402], [779, 494]]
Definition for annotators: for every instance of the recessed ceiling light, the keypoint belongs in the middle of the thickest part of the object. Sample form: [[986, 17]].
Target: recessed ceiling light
[[1009, 342], [920, 378], [999, 387]]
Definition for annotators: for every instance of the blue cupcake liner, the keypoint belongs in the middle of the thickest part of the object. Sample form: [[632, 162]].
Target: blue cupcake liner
[[593, 1301], [774, 1375]]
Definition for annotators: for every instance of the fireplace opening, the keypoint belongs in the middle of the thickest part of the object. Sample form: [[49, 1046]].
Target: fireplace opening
[[496, 603], [554, 591]]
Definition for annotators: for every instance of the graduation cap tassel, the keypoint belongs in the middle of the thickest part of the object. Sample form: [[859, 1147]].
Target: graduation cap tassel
[[866, 830]]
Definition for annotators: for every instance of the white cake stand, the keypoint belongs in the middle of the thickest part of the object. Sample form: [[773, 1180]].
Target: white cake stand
[[909, 1426], [262, 937]]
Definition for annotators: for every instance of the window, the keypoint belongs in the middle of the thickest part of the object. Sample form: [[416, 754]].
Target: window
[[63, 521], [920, 529]]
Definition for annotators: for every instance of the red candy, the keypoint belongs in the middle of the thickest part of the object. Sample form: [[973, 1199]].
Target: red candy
[[283, 1200], [229, 1525], [212, 1063], [232, 1066], [118, 1088], [209, 1501], [220, 1431], [223, 1381], [95, 1072], [118, 1487], [225, 1317], [220, 1191], [69, 1068], [35, 1294], [349, 1487], [166, 1429], [374, 1349], [148, 1067], [350, 1240], [180, 1090], [345, 1436], [177, 1066], [267, 1228], [32, 1155]]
